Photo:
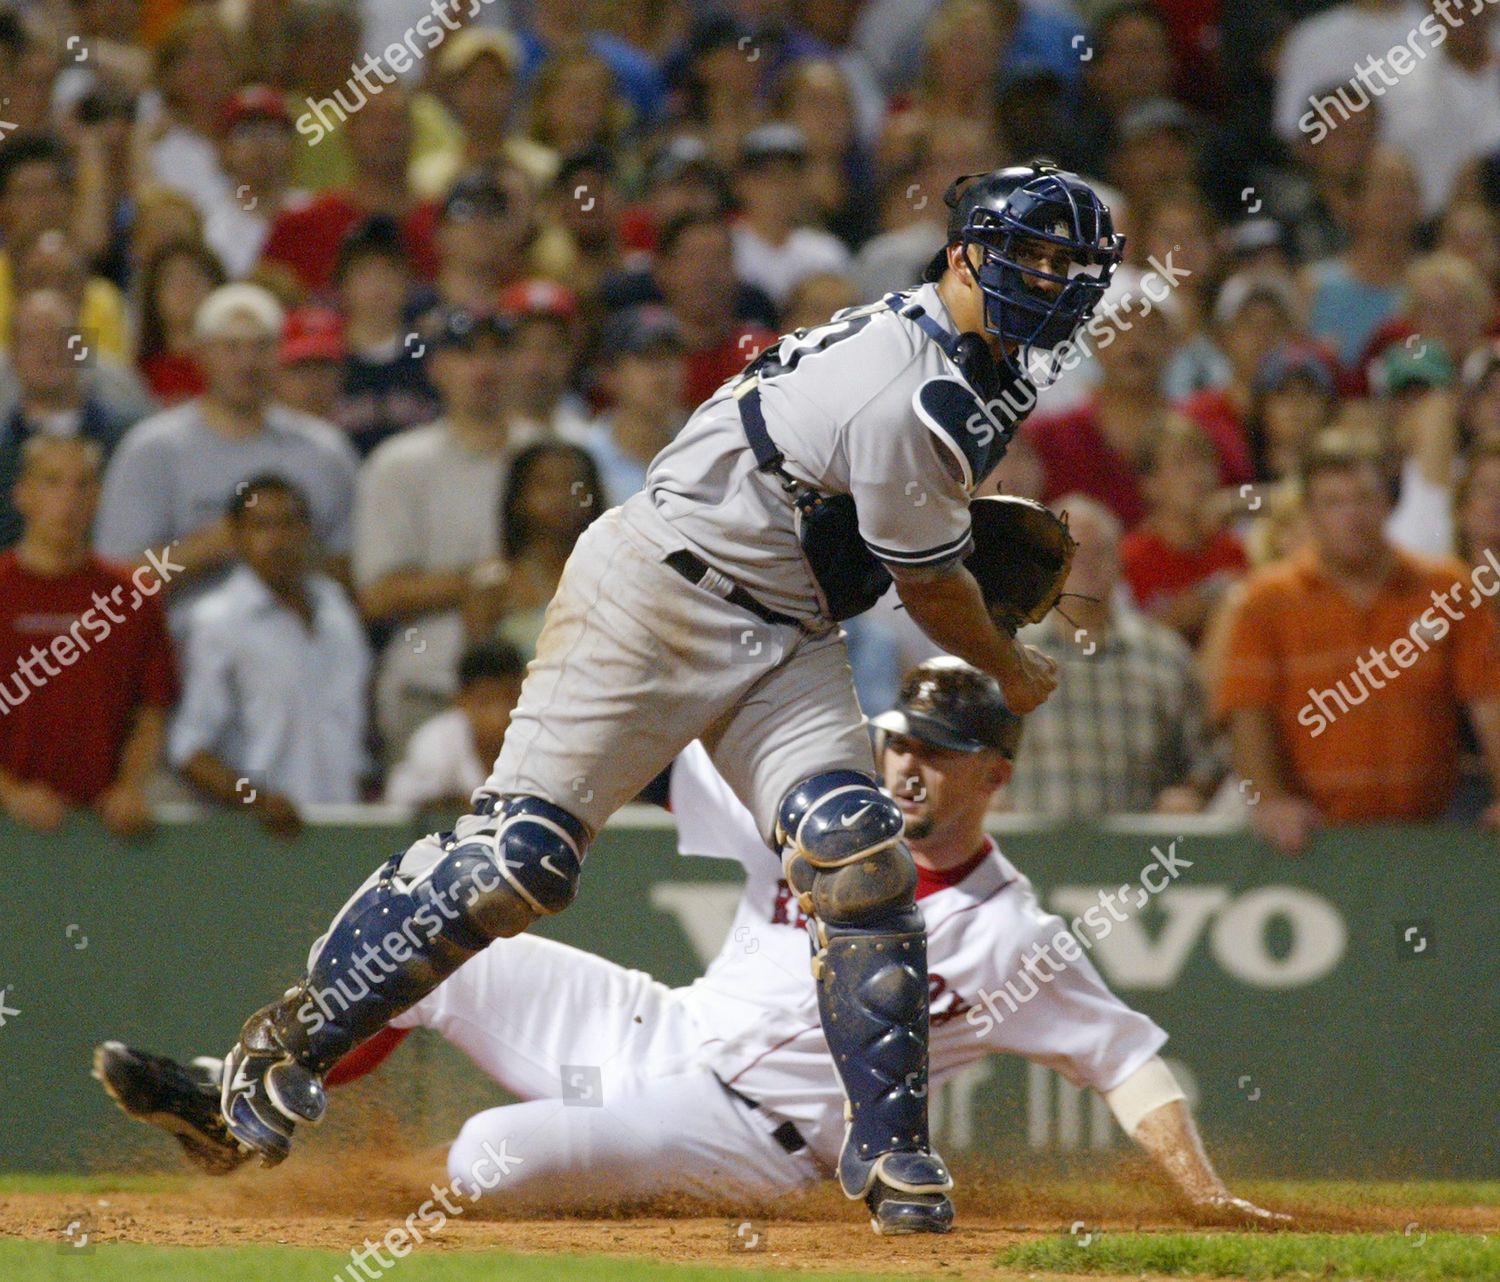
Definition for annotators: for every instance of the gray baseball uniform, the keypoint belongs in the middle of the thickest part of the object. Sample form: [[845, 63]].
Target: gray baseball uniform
[[634, 661]]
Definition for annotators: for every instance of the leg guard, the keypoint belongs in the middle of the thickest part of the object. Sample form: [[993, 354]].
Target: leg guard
[[853, 875], [401, 935]]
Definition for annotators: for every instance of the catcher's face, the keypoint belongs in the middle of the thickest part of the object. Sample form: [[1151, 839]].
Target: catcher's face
[[942, 794]]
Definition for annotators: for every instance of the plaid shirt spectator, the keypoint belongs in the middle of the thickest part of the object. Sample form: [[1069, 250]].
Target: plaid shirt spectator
[[1126, 722]]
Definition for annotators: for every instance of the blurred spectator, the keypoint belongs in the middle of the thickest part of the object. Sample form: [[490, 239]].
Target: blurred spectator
[[774, 245], [470, 122], [53, 399], [1459, 79], [276, 665], [171, 480], [28, 63], [644, 379], [101, 131], [315, 44], [539, 360], [176, 280], [1180, 559], [724, 321], [1351, 295], [1252, 317], [160, 217], [585, 208], [718, 82], [1319, 734], [1124, 730], [385, 388], [1097, 448], [36, 206], [552, 495], [815, 97], [310, 361], [256, 153], [1471, 231], [1479, 416], [574, 106], [1477, 505], [428, 515], [1292, 399], [913, 223], [195, 72], [1157, 152], [1415, 383], [560, 24], [308, 231], [682, 178], [1132, 65], [817, 297], [452, 754], [488, 237], [1176, 226], [88, 730], [1319, 57]]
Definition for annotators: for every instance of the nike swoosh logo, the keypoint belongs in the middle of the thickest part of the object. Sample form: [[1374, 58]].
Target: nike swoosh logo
[[549, 866], [848, 821]]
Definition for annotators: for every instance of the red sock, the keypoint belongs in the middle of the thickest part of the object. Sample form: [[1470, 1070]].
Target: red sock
[[366, 1057]]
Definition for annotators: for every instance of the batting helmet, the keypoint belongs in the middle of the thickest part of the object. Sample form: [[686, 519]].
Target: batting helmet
[[1032, 202], [951, 704]]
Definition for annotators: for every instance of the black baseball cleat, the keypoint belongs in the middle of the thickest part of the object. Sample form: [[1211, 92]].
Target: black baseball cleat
[[893, 1211], [181, 1099]]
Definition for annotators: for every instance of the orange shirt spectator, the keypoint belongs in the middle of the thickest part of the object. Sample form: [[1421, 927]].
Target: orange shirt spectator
[[1347, 665]]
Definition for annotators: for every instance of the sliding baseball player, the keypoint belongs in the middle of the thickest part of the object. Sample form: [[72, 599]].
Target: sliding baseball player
[[726, 1089]]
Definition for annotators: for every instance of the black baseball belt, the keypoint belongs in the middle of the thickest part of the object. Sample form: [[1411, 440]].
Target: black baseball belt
[[695, 569], [786, 1135]]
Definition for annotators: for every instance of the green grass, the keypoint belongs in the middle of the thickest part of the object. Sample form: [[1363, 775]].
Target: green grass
[[1327, 1257], [40, 1262]]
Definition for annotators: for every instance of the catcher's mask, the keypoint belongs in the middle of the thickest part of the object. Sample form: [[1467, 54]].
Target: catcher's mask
[[1000, 210], [951, 704]]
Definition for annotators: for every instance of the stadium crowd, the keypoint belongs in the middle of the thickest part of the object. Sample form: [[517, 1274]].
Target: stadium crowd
[[329, 325]]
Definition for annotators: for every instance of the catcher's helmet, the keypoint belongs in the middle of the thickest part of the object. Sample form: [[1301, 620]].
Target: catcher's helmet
[[1038, 202], [951, 704]]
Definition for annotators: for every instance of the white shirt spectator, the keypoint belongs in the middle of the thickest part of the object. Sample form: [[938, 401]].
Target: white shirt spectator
[[440, 761], [1326, 49], [778, 269], [622, 475], [426, 502], [282, 702]]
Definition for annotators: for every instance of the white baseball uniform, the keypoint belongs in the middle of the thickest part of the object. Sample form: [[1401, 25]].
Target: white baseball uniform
[[625, 1079]]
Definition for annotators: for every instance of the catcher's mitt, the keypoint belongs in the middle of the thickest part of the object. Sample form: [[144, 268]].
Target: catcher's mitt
[[1022, 553]]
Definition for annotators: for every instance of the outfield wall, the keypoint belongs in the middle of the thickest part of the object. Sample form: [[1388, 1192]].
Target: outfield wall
[[1333, 1015]]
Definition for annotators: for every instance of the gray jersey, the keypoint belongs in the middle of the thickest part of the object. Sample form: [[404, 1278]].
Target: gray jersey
[[867, 405]]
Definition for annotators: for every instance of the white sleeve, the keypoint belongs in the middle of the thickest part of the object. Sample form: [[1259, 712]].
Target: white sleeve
[[1422, 521], [711, 821]]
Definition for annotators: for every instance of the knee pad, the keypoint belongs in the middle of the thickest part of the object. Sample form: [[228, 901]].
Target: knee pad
[[402, 935], [844, 856], [529, 868]]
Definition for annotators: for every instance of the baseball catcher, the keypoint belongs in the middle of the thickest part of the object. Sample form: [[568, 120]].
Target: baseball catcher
[[840, 462]]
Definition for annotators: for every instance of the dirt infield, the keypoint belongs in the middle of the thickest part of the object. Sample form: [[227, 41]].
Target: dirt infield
[[337, 1201]]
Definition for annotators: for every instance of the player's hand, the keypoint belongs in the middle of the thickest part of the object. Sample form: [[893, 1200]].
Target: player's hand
[[35, 805], [1029, 681], [1286, 822], [1236, 1213], [123, 810], [277, 814]]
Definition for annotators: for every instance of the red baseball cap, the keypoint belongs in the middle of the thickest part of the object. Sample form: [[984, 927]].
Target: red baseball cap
[[312, 334], [543, 299], [256, 102]]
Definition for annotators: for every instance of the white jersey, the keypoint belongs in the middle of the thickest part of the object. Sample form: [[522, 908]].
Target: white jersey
[[758, 1004], [868, 405]]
